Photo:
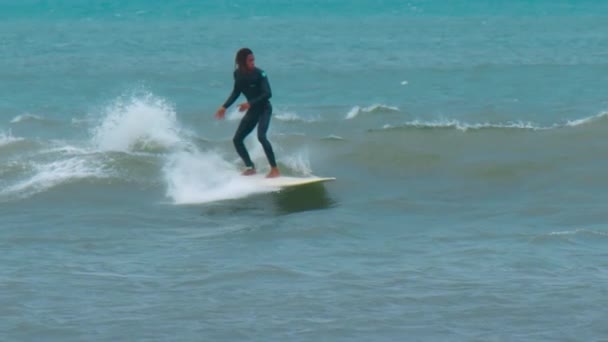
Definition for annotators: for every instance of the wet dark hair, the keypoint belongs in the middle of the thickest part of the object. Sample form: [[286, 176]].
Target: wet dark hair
[[241, 58]]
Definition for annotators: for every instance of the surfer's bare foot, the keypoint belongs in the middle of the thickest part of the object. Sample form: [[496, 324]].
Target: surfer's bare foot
[[248, 172], [274, 172]]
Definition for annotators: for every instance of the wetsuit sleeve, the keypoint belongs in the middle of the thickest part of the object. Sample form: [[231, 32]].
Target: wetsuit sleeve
[[236, 91], [265, 92]]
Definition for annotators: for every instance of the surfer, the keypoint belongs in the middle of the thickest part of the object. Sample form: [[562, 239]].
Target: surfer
[[253, 83]]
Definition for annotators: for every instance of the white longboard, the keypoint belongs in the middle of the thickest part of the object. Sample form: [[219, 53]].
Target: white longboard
[[286, 181]]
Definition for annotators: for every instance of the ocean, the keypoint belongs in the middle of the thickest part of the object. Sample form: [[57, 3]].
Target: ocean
[[467, 138]]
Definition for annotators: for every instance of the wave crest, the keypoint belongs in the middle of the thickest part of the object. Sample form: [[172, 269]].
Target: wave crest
[[140, 122], [516, 125], [356, 110], [26, 117]]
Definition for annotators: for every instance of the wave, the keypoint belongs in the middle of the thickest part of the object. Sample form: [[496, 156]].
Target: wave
[[142, 122], [52, 164], [286, 116], [201, 177], [603, 116], [135, 125], [27, 118], [292, 117], [461, 126], [511, 125], [377, 108], [333, 137], [194, 176], [579, 231], [504, 152], [137, 134], [48, 175], [569, 236], [298, 163], [66, 149], [138, 139]]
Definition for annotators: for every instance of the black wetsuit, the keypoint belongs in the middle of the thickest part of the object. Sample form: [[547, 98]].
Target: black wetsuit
[[254, 85]]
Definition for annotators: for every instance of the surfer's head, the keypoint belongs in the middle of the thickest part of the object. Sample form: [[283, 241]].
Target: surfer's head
[[244, 60]]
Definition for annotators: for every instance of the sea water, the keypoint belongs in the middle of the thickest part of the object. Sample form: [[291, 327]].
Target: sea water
[[468, 139]]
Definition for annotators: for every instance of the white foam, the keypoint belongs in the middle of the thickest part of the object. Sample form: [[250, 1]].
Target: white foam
[[288, 116], [333, 137], [139, 122], [66, 149], [299, 163], [26, 117], [292, 117], [256, 152], [463, 126], [52, 174], [235, 115], [525, 125], [353, 112], [579, 122], [579, 231], [356, 110], [8, 138], [201, 177]]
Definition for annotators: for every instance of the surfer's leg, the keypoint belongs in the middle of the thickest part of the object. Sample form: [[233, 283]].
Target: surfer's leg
[[263, 124], [245, 127]]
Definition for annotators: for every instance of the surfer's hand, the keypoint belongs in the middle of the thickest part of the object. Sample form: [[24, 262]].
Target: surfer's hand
[[220, 113], [244, 106]]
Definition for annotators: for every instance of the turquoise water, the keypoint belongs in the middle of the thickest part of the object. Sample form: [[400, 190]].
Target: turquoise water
[[468, 140]]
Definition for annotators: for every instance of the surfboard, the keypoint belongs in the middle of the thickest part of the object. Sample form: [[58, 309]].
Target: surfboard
[[287, 181]]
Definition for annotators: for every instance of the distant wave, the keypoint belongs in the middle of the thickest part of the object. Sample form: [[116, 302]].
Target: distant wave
[[356, 110], [285, 116], [458, 125], [579, 231], [601, 116], [26, 117], [465, 126], [333, 137], [292, 117], [48, 175], [569, 234]]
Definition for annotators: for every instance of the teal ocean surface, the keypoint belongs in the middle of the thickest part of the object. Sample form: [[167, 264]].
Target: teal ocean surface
[[468, 139]]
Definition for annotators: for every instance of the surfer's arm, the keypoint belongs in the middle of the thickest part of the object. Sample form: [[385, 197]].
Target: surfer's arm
[[265, 92], [236, 92]]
